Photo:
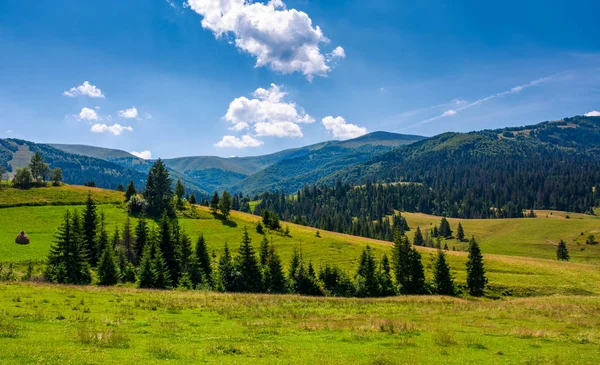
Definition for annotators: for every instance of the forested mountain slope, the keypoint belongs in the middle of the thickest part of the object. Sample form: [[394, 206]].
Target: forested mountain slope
[[551, 165]]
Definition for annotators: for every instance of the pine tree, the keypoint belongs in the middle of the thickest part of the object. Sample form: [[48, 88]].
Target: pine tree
[[418, 240], [275, 281], [259, 228], [476, 279], [102, 240], [67, 263], [401, 260], [225, 204], [416, 284], [185, 282], [204, 260], [193, 199], [90, 226], [168, 247], [179, 193], [264, 252], [158, 191], [250, 279], [194, 271], [131, 191], [214, 203], [160, 271], [460, 233], [385, 277], [226, 271], [367, 276], [141, 239], [445, 230], [129, 275], [108, 272], [562, 252], [444, 283], [127, 242], [235, 203], [145, 271]]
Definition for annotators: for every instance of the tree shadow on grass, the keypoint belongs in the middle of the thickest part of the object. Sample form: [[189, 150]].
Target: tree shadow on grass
[[225, 221]]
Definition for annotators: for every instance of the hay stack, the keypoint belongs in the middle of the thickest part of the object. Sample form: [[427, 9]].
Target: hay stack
[[22, 239]]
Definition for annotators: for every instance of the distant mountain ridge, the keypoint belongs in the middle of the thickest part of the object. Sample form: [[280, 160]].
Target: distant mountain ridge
[[253, 174]]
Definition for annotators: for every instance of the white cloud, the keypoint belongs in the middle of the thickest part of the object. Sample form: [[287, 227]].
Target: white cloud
[[85, 89], [235, 142], [341, 129], [131, 113], [593, 113], [268, 113], [115, 129], [281, 38], [147, 115], [466, 105], [88, 114], [9, 131], [239, 127], [278, 129], [171, 3], [146, 155]]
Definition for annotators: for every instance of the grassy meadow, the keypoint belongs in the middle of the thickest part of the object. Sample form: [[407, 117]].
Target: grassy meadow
[[55, 324]]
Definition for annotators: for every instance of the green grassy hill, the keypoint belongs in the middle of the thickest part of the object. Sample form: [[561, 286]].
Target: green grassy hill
[[519, 267]]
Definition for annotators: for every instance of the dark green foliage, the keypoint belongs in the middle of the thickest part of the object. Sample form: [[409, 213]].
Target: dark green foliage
[[185, 282], [39, 169], [367, 278], [193, 199], [120, 188], [160, 271], [204, 261], [274, 278], [250, 278], [102, 240], [416, 285], [401, 260], [227, 274], [128, 242], [225, 204], [264, 251], [235, 203], [23, 178], [591, 240], [476, 279], [141, 239], [562, 252], [336, 282], [418, 239], [158, 192], [460, 233], [131, 190], [90, 226], [108, 271], [129, 274], [56, 176], [444, 284], [259, 228], [179, 191], [445, 230], [67, 263], [385, 278], [145, 272], [214, 203], [167, 245], [301, 281], [270, 220]]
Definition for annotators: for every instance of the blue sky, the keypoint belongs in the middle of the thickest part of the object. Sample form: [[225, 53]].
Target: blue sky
[[230, 77]]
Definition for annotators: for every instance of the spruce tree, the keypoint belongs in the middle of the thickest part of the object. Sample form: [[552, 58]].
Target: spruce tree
[[160, 271], [145, 271], [194, 271], [67, 263], [250, 279], [108, 272], [385, 277], [141, 239], [225, 204], [460, 233], [416, 283], [418, 240], [90, 226], [214, 203], [401, 260], [445, 230], [131, 191], [227, 273], [264, 252], [275, 281], [235, 203], [562, 252], [168, 247], [476, 279], [179, 193], [444, 283], [102, 240], [158, 191], [367, 275], [204, 261], [259, 228], [129, 275], [127, 242]]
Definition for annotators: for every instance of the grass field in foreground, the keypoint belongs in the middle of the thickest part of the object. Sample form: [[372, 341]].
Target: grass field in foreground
[[52, 195], [88, 325], [520, 276]]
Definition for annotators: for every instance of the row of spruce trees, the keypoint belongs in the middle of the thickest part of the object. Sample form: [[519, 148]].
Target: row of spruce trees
[[163, 257]]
